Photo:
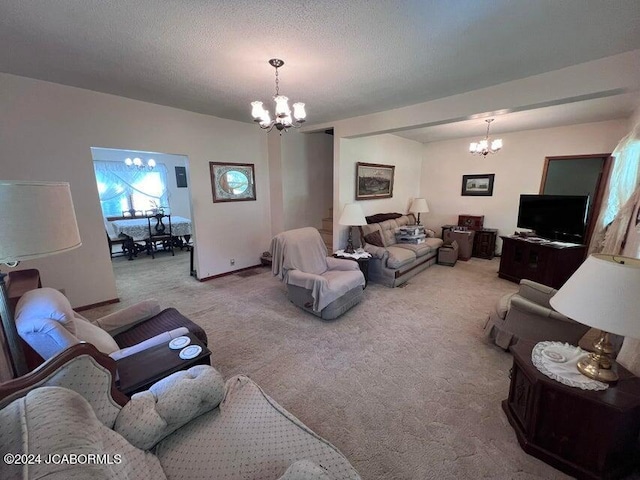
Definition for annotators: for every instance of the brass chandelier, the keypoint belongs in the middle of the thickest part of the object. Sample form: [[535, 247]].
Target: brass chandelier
[[283, 117], [486, 146]]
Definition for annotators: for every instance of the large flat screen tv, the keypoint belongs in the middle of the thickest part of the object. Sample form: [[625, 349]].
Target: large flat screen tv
[[556, 217]]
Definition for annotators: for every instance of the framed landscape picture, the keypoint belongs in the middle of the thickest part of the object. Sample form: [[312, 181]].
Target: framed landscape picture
[[374, 181], [478, 185], [232, 182]]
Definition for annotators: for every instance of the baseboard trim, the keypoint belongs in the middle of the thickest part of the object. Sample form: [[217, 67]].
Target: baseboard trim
[[96, 305], [232, 272]]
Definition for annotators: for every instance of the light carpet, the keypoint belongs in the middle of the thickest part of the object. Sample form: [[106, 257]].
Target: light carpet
[[404, 384]]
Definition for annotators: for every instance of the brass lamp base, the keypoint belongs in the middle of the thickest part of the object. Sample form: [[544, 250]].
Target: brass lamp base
[[598, 364]]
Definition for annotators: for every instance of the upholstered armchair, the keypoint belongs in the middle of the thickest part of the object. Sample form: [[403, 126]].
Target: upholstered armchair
[[527, 314], [47, 324], [191, 424], [324, 286]]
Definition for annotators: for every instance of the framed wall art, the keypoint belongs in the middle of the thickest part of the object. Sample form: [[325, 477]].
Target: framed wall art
[[232, 182], [478, 185], [374, 181]]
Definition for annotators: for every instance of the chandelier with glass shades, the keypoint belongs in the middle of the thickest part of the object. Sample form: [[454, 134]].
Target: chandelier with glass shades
[[283, 119], [139, 163], [486, 146]]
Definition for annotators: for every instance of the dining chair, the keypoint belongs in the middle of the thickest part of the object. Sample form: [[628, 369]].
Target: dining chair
[[159, 233]]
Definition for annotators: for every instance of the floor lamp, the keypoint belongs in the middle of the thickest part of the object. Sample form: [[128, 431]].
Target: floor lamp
[[37, 219]]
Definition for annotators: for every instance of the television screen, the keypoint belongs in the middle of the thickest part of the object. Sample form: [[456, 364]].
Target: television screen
[[557, 217]]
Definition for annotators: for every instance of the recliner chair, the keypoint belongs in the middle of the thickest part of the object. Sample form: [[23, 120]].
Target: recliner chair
[[527, 314], [324, 286], [48, 325]]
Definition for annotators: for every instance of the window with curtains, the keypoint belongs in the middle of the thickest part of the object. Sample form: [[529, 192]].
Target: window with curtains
[[123, 188]]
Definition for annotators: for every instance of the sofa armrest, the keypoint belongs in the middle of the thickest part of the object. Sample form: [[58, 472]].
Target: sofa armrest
[[342, 264], [376, 252], [122, 320], [524, 305], [536, 292], [169, 404], [159, 339]]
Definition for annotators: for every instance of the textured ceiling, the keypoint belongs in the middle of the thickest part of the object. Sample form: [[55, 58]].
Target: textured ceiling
[[343, 59]]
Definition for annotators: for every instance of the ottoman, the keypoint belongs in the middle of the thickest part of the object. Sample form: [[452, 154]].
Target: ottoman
[[448, 254]]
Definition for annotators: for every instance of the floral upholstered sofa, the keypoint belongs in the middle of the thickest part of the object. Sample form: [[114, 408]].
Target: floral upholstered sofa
[[392, 263]]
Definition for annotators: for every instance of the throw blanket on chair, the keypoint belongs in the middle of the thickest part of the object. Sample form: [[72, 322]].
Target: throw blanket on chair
[[299, 257]]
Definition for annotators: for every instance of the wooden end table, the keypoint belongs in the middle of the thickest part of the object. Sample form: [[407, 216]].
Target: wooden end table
[[587, 434], [139, 371], [363, 263]]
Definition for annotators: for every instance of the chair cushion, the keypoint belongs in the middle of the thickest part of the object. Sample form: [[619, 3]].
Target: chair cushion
[[248, 437], [45, 304], [96, 336], [169, 404], [399, 256]]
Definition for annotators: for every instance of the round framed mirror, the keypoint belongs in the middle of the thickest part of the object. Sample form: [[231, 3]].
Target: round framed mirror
[[234, 182]]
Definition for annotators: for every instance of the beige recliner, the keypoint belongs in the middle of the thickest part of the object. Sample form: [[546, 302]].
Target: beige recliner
[[324, 286], [527, 314]]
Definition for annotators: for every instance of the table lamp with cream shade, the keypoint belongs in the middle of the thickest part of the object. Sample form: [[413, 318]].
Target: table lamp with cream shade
[[604, 293], [37, 219], [419, 205], [352, 216]]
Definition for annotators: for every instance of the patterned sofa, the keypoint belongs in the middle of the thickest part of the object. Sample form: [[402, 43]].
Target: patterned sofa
[[393, 263], [189, 425]]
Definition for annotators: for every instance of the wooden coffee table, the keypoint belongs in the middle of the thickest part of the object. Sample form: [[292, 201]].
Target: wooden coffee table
[[139, 371]]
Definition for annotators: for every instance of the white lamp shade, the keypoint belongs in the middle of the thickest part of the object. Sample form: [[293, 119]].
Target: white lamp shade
[[352, 215], [419, 205], [37, 219], [604, 293]]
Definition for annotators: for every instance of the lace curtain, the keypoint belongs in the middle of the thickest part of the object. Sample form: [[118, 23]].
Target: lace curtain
[[615, 223], [121, 187]]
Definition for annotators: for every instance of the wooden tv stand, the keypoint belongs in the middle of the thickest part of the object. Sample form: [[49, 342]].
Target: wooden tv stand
[[543, 262]]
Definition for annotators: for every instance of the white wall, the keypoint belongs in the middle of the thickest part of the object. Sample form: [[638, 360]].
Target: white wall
[[307, 178], [179, 201], [517, 168], [386, 149], [46, 132]]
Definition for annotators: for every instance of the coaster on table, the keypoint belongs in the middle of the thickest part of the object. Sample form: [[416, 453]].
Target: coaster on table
[[179, 342], [192, 351]]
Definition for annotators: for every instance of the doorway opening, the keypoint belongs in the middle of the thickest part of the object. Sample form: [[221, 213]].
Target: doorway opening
[[578, 175], [146, 209]]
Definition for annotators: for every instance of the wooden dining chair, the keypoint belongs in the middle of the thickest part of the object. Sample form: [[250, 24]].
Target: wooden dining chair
[[159, 234]]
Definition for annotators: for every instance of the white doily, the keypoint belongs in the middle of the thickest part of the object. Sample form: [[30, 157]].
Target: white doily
[[559, 361]]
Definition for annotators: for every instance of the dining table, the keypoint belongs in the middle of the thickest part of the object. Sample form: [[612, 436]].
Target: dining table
[[138, 227]]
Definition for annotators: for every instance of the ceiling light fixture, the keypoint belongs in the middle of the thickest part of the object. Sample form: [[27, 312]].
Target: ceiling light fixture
[[283, 120], [139, 163], [483, 147]]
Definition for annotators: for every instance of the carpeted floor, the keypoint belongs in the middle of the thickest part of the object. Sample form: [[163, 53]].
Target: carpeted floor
[[404, 384]]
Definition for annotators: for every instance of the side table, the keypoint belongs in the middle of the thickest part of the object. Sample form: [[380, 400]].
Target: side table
[[363, 263], [139, 371], [584, 433]]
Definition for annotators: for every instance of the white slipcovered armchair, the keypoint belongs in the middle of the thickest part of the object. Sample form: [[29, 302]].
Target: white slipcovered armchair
[[324, 286], [48, 325]]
